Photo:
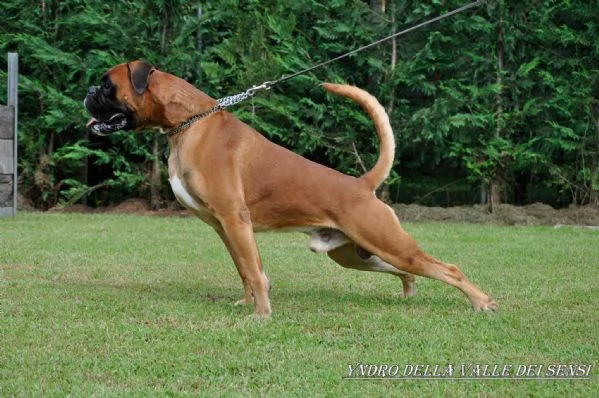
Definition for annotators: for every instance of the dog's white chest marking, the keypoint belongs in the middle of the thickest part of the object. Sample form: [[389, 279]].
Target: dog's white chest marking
[[182, 195]]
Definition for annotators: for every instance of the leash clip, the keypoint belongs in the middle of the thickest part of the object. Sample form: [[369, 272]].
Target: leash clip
[[264, 86], [237, 98]]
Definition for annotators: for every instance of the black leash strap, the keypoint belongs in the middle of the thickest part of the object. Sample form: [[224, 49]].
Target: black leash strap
[[376, 43], [269, 84], [237, 98]]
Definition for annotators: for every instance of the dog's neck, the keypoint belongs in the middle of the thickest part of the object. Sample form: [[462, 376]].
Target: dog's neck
[[180, 102]]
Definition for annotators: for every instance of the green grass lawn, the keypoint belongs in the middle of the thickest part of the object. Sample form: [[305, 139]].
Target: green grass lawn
[[123, 305]]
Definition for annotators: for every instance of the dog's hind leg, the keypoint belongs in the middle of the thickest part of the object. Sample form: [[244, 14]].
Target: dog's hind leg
[[380, 233], [353, 256]]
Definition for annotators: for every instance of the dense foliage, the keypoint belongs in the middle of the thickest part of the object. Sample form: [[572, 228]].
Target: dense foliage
[[499, 104]]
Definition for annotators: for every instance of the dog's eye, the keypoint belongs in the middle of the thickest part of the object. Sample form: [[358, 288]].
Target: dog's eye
[[107, 87]]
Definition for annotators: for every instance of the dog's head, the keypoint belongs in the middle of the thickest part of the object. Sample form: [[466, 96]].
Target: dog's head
[[121, 101]]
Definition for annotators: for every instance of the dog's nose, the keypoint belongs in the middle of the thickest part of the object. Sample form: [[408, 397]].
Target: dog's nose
[[92, 90]]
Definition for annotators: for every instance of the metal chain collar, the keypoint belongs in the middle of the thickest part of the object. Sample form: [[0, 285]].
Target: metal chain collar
[[222, 104], [191, 121]]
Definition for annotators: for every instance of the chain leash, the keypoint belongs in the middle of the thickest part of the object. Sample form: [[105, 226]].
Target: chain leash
[[231, 100]]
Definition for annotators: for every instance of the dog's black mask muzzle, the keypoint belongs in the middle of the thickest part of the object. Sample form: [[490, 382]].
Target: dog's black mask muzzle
[[108, 115]]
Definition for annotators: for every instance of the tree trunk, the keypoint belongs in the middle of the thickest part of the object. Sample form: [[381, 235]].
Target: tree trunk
[[494, 195], [495, 179], [155, 177], [594, 183], [155, 169], [84, 174], [380, 6]]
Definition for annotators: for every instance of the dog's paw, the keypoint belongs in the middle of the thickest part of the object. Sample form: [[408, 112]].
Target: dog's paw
[[487, 305], [245, 301], [409, 291], [409, 285], [261, 316]]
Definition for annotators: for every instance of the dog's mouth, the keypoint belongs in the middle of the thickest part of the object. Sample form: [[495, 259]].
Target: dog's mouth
[[116, 122], [107, 114]]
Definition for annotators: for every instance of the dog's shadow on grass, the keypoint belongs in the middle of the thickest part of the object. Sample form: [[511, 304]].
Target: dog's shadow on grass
[[219, 295]]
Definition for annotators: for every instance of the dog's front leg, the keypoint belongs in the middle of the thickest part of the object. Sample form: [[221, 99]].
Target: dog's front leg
[[248, 297], [239, 238]]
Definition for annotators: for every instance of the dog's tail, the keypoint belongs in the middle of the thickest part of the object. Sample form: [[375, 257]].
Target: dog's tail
[[377, 113]]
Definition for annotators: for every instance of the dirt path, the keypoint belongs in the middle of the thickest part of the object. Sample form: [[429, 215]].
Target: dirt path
[[535, 214]]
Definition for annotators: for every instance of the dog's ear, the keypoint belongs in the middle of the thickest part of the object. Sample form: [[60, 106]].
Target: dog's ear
[[139, 74]]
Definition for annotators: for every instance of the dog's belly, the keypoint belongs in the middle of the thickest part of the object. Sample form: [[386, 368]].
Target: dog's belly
[[322, 239]]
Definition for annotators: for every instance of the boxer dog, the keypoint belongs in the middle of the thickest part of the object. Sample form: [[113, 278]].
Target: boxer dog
[[237, 181]]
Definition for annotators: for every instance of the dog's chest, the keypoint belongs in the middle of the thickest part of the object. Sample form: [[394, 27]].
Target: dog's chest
[[183, 195]]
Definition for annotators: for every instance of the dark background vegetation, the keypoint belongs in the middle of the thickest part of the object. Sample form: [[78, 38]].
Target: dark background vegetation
[[495, 105]]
